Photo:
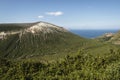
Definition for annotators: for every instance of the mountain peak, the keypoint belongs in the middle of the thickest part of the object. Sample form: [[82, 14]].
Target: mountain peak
[[45, 28]]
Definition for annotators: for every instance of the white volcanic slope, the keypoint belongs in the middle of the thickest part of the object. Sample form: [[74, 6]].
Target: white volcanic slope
[[45, 28]]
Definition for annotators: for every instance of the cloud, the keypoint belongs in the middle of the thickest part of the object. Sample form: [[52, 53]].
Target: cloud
[[40, 16], [58, 13]]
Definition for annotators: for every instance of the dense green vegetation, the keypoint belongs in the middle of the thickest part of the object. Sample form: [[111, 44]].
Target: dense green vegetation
[[81, 66]]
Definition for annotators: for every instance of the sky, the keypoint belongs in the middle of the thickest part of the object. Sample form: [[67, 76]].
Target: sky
[[70, 14]]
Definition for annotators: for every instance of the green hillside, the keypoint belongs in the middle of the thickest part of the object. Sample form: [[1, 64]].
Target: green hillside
[[112, 38], [28, 45], [43, 51], [14, 26]]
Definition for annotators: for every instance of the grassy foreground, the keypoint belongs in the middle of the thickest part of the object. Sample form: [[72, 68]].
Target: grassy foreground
[[82, 66]]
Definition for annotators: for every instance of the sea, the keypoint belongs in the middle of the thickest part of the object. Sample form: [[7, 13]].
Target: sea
[[92, 33]]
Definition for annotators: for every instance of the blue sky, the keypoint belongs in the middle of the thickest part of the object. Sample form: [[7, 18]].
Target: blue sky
[[71, 14]]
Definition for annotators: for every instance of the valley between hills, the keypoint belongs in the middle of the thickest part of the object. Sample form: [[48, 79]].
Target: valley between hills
[[44, 51]]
